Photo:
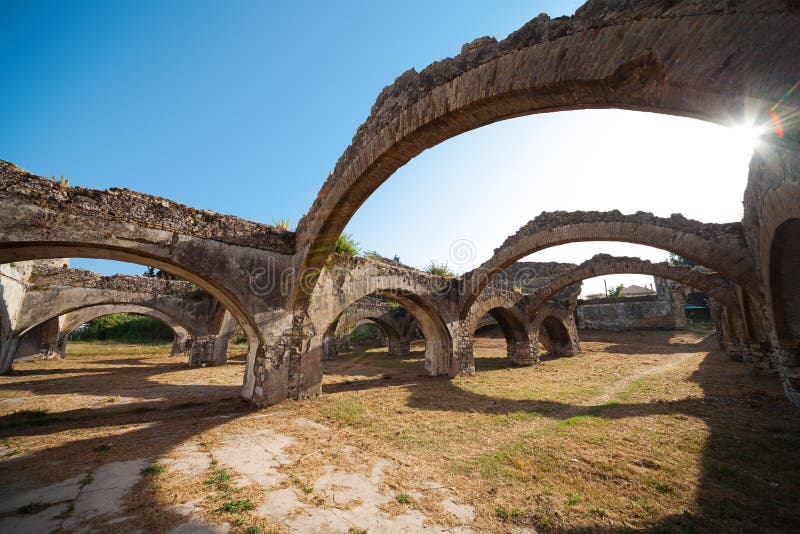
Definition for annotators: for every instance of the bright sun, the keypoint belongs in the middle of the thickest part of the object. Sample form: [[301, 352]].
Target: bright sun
[[745, 137]]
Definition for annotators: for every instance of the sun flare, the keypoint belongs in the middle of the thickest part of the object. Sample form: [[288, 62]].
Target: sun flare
[[745, 137]]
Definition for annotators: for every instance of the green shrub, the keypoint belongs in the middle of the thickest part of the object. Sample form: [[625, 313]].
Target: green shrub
[[281, 224], [153, 470], [403, 498], [439, 269], [236, 506], [60, 181], [219, 478], [345, 244], [617, 291]]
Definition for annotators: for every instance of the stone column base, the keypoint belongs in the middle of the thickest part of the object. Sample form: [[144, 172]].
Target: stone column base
[[207, 350]]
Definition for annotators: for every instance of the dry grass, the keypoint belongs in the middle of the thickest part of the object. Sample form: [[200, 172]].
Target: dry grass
[[655, 431]]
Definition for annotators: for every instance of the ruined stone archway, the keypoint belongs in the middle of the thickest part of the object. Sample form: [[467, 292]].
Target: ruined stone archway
[[390, 321], [785, 292], [714, 284], [193, 314], [428, 299], [508, 310], [238, 262], [52, 342], [345, 330], [438, 342], [553, 65], [719, 246]]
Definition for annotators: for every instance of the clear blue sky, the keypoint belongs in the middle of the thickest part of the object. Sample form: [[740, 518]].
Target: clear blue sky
[[244, 107]]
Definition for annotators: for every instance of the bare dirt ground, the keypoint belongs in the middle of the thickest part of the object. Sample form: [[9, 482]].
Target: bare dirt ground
[[653, 431]]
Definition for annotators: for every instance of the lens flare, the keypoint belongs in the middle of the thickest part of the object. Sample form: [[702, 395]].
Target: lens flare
[[773, 113]]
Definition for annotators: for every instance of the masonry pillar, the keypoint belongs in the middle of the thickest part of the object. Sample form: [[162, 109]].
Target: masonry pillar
[[8, 348], [677, 299], [12, 292], [522, 353], [180, 343], [207, 350], [41, 343], [463, 360]]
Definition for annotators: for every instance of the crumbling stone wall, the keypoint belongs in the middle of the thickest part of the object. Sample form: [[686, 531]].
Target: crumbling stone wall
[[45, 277], [663, 311], [141, 209]]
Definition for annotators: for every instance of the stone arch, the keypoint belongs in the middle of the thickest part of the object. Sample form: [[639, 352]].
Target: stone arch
[[721, 247], [507, 309], [183, 334], [59, 326], [428, 299], [438, 341], [555, 336], [785, 287], [711, 283], [195, 315], [772, 205], [81, 316], [553, 65], [338, 336], [236, 261]]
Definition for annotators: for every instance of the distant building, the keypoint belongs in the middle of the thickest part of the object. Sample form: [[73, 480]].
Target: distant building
[[637, 291], [594, 296]]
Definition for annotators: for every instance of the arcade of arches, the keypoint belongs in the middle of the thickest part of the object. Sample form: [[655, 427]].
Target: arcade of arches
[[291, 296]]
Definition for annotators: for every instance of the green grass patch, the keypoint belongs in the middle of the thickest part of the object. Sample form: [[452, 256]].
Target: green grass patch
[[403, 498], [573, 499], [349, 412], [12, 453], [153, 470], [502, 513], [236, 506], [219, 478]]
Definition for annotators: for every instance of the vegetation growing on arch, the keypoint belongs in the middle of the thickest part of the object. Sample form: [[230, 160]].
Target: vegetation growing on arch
[[345, 244], [440, 269], [282, 224]]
